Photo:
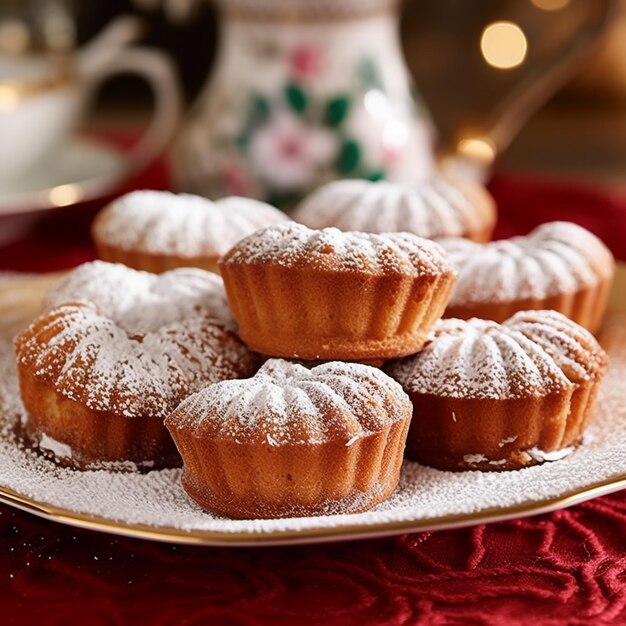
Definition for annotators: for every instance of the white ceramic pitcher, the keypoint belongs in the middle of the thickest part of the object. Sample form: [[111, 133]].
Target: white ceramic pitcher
[[302, 93]]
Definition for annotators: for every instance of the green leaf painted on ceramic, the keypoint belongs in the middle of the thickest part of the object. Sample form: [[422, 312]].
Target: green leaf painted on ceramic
[[336, 110], [259, 110], [369, 74], [296, 98], [258, 113], [349, 156], [284, 200], [241, 141], [376, 175]]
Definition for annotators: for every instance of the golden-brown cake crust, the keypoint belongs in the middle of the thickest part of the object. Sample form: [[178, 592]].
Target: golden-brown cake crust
[[95, 438], [102, 391], [155, 263], [497, 397], [321, 295], [558, 266], [324, 479], [157, 231], [292, 441]]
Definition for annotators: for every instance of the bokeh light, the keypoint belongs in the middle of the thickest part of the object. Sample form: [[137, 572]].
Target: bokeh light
[[64, 195], [9, 97], [477, 149], [550, 5], [503, 45]]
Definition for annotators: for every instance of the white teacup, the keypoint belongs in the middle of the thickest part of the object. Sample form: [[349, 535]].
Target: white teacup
[[43, 98]]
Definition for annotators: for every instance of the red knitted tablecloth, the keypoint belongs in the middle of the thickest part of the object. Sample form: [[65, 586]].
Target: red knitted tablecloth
[[565, 568]]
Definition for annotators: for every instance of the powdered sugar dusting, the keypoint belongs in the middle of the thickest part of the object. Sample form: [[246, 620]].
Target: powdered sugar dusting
[[142, 302], [472, 459], [58, 449], [437, 208], [292, 245], [86, 357], [532, 354], [553, 455], [160, 222], [423, 495], [573, 348], [287, 403], [555, 258]]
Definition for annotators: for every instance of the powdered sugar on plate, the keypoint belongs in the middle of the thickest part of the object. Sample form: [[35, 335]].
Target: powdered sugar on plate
[[424, 495]]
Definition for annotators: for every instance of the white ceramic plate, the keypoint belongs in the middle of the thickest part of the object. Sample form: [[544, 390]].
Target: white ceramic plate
[[85, 169], [154, 505]]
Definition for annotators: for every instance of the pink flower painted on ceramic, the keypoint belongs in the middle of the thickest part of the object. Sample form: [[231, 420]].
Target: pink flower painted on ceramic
[[394, 139], [305, 62], [235, 180], [288, 154]]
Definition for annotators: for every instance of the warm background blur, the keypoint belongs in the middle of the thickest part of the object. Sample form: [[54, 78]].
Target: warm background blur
[[579, 131]]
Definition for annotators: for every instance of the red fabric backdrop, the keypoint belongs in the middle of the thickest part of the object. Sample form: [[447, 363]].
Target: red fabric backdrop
[[565, 568]]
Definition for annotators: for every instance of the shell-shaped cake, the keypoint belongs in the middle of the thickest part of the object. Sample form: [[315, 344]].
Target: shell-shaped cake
[[495, 396], [293, 441], [439, 207], [301, 293], [158, 230], [100, 392], [559, 266], [141, 301]]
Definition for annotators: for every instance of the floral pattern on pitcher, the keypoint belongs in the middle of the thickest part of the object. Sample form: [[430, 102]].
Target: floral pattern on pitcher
[[303, 114], [293, 140]]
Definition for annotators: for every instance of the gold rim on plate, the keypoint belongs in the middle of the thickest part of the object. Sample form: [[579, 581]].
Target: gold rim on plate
[[311, 535]]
